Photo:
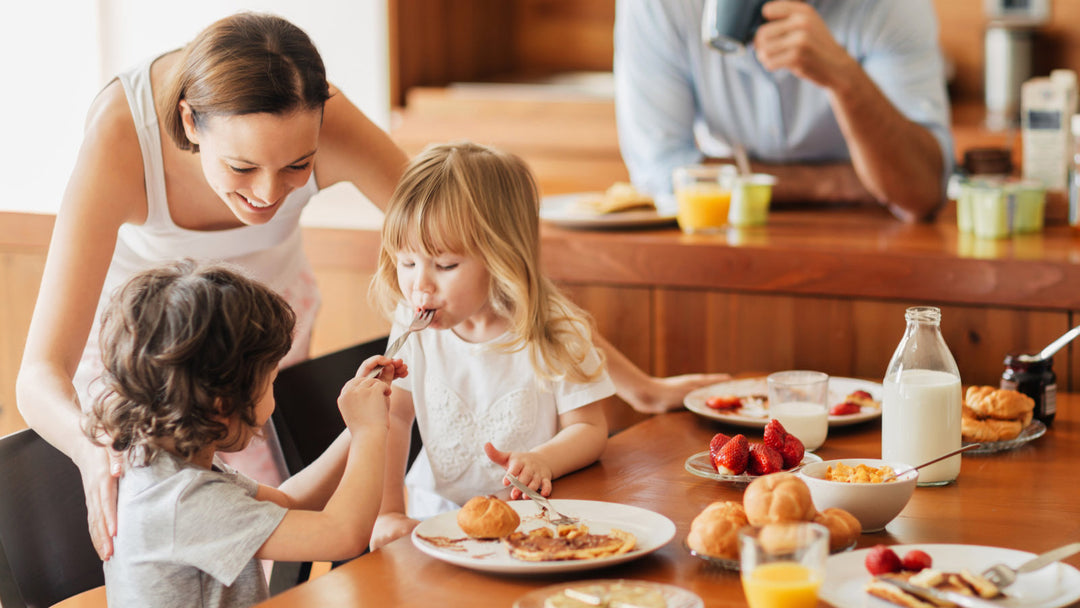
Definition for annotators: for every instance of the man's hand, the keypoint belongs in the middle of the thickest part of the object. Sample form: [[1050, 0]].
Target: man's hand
[[796, 38]]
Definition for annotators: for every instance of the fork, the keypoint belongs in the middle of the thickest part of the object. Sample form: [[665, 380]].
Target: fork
[[560, 520], [1002, 576], [421, 319]]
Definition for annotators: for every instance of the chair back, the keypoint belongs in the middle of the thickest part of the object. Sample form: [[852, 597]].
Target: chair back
[[46, 554]]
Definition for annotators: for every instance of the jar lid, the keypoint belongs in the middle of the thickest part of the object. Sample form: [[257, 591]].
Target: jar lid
[[1028, 362]]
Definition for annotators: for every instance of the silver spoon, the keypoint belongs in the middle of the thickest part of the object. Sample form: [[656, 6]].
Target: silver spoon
[[1054, 347], [970, 446]]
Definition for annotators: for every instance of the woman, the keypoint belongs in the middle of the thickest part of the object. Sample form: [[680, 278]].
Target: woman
[[208, 152]]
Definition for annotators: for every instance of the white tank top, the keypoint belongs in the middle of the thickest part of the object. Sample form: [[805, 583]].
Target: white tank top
[[271, 252]]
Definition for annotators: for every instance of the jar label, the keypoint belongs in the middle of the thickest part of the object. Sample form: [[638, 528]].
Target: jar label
[[1050, 400]]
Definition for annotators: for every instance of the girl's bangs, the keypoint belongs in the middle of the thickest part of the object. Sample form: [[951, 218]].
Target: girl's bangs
[[431, 226]]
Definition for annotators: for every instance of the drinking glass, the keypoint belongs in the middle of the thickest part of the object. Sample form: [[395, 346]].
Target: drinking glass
[[782, 565], [703, 193], [799, 400]]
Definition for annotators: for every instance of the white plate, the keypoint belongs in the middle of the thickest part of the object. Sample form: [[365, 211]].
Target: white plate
[[562, 210], [1053, 586], [675, 597], [700, 464], [651, 529], [1031, 432], [757, 416]]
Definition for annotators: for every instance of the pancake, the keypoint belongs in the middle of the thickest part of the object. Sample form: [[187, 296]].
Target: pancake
[[567, 543]]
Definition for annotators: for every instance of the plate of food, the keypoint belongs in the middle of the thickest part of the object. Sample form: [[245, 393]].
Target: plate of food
[[1031, 432], [620, 206], [616, 592], [613, 533], [847, 578], [745, 402], [701, 464]]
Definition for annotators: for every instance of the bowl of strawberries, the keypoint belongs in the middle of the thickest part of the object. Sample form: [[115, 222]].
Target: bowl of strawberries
[[738, 460]]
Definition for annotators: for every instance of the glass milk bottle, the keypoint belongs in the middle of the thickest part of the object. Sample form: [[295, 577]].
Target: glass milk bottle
[[920, 414]]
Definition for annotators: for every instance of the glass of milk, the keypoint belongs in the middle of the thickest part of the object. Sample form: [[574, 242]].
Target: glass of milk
[[799, 400]]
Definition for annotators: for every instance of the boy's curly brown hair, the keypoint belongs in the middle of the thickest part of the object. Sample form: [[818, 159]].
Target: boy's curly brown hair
[[184, 346]]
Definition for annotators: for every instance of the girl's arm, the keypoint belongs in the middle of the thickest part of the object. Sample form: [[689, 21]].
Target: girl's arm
[[342, 529], [579, 443], [392, 522], [354, 149], [104, 191]]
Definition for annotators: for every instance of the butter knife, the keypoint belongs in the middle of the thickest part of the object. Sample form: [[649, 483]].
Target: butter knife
[[937, 595]]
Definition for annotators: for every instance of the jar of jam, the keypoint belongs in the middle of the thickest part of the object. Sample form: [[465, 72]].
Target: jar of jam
[[1035, 378]]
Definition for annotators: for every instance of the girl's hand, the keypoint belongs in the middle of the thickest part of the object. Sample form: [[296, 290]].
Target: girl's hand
[[99, 479], [365, 402], [529, 468], [392, 369]]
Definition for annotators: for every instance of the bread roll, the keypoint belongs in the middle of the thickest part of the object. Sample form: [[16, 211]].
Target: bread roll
[[776, 498], [487, 517], [715, 531], [1003, 404], [844, 529]]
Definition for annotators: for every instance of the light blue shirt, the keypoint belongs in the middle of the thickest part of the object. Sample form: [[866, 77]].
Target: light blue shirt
[[678, 100]]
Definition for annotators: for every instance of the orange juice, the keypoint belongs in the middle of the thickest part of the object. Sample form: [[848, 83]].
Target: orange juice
[[702, 206], [781, 585]]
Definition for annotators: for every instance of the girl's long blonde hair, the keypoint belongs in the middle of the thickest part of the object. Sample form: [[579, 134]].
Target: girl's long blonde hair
[[473, 200]]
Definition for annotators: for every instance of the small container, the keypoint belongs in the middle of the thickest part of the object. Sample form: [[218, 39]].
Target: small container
[[1028, 199], [1035, 378], [750, 200], [703, 194], [997, 209]]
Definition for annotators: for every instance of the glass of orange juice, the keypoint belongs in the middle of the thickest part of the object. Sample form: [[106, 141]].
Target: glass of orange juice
[[783, 564], [703, 193]]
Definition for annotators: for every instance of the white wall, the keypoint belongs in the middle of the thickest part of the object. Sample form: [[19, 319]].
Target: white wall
[[59, 53]]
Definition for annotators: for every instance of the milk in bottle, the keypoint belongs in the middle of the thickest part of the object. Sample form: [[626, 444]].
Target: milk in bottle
[[920, 412]]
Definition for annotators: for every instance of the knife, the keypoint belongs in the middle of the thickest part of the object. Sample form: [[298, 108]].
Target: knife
[[1048, 558], [938, 595]]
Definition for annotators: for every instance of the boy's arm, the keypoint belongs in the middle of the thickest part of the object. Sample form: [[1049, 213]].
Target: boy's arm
[[392, 522], [312, 487], [342, 529]]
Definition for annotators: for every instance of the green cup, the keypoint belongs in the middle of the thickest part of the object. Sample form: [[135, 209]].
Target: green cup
[[750, 200]]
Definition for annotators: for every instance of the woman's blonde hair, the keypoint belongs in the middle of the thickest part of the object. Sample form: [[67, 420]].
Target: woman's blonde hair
[[473, 200], [247, 63]]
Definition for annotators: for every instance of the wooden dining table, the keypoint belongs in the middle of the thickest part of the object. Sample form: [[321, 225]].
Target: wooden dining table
[[1025, 499]]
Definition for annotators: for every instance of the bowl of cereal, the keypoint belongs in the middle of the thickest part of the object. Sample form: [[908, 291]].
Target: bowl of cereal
[[858, 486]]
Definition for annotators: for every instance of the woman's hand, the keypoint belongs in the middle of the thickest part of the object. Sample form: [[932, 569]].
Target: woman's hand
[[528, 467], [659, 395], [100, 474], [390, 527]]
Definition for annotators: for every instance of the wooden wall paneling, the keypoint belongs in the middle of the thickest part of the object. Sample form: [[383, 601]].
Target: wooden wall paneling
[[346, 317], [564, 35], [623, 317], [20, 277]]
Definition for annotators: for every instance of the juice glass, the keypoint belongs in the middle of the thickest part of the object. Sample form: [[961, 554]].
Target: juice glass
[[703, 193], [783, 564], [799, 400]]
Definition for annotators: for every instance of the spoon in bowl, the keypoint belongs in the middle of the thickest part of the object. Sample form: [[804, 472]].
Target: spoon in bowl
[[970, 446]]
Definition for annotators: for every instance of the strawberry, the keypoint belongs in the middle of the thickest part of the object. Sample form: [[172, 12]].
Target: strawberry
[[861, 395], [916, 560], [882, 560], [717, 442], [845, 408], [724, 402], [792, 452], [774, 435], [764, 460], [733, 456]]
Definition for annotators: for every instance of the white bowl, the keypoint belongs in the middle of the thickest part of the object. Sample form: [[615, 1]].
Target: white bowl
[[873, 504]]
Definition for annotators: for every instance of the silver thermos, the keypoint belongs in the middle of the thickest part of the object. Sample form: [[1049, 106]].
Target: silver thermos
[[1008, 64]]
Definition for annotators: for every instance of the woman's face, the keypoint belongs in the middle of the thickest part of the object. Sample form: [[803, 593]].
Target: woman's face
[[253, 161]]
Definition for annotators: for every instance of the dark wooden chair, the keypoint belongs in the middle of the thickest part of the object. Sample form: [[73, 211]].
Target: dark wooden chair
[[46, 554], [306, 420]]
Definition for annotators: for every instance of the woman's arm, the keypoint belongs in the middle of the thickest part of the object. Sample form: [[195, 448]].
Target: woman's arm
[[393, 523], [104, 191], [645, 393], [354, 149]]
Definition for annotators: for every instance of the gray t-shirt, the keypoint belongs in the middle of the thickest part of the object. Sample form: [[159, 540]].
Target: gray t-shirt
[[187, 536]]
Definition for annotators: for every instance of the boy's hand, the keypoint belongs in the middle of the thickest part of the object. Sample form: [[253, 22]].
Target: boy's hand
[[392, 369], [365, 402], [529, 468]]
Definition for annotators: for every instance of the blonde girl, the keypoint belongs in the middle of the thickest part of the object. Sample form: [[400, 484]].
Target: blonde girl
[[506, 377]]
